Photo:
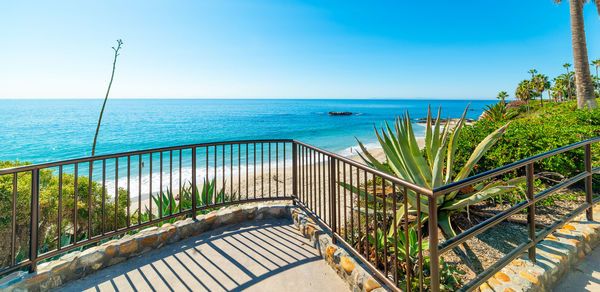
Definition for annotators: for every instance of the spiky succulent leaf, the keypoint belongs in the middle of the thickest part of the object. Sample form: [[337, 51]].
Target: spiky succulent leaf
[[406, 161], [394, 156], [363, 194], [435, 143], [428, 137], [452, 143], [399, 216], [445, 225], [479, 151]]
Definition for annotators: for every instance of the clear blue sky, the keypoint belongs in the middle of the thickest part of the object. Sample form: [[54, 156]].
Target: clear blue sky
[[283, 49]]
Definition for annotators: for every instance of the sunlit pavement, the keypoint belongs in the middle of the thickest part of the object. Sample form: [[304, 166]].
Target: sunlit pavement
[[264, 256], [585, 276]]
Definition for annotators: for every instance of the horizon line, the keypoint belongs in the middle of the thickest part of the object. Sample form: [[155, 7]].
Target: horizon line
[[250, 98]]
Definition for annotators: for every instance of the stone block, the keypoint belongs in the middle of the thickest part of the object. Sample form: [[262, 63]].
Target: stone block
[[149, 240], [359, 279], [128, 247], [60, 267], [502, 277], [91, 257], [337, 255], [529, 276], [110, 250], [210, 218], [347, 265], [371, 284]]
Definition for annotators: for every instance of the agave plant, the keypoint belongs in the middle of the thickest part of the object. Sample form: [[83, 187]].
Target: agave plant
[[498, 112], [448, 274], [400, 245], [205, 196], [432, 167]]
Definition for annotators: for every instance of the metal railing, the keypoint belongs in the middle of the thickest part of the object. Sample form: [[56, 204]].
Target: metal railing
[[365, 210], [139, 189], [353, 202], [529, 205]]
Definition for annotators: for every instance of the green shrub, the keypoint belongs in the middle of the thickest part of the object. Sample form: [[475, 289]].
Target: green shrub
[[48, 211], [554, 126], [49, 202]]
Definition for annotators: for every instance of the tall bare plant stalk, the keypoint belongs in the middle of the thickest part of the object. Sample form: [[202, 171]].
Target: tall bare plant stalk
[[112, 75]]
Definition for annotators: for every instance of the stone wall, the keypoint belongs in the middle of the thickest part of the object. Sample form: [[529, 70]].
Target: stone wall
[[555, 255], [350, 270]]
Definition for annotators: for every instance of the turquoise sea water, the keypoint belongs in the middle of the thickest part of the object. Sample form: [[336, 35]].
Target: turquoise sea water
[[49, 130]]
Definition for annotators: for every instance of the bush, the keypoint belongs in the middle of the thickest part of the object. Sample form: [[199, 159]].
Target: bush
[[49, 202], [48, 211], [556, 125]]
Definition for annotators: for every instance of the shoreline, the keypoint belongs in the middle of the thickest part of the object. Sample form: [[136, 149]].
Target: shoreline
[[261, 184]]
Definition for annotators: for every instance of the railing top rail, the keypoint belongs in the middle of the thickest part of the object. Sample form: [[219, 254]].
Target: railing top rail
[[389, 177], [12, 170], [422, 190], [509, 167]]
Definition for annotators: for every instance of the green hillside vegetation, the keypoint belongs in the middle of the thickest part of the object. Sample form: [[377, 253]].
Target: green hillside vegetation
[[542, 129]]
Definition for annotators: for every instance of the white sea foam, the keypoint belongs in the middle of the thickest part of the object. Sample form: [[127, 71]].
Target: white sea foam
[[355, 149], [186, 177]]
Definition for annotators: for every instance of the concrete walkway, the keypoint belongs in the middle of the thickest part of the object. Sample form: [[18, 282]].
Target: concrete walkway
[[254, 256], [585, 276]]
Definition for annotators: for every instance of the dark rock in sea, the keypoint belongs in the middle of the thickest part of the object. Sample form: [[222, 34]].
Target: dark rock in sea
[[444, 121], [340, 113]]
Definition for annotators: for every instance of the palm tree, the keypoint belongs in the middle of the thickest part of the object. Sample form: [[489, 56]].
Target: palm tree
[[596, 63], [561, 88], [583, 82], [502, 96], [596, 85], [540, 84], [532, 72], [566, 66], [557, 90], [548, 86], [524, 92]]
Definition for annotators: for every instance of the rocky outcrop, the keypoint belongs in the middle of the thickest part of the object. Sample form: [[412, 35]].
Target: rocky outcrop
[[452, 122], [340, 113]]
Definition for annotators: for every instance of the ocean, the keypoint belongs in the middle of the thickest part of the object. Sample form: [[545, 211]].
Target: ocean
[[49, 130], [41, 130]]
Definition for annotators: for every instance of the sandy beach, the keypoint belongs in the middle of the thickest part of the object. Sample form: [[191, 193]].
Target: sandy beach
[[313, 181]]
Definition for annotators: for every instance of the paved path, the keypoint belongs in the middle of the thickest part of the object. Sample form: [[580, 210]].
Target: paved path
[[585, 276], [254, 256]]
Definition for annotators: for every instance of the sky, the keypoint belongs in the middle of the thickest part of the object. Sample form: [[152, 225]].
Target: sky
[[283, 49]]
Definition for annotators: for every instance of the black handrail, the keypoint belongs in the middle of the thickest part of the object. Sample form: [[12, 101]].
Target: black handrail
[[29, 167], [440, 191]]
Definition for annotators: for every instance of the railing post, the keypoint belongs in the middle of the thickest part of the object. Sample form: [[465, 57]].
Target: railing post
[[433, 243], [588, 182], [194, 183], [33, 232], [529, 172], [294, 170], [332, 201]]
